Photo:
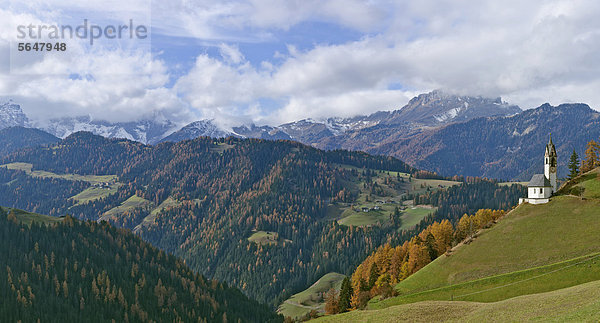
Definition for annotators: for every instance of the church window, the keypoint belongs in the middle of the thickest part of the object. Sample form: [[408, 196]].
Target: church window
[[541, 191]]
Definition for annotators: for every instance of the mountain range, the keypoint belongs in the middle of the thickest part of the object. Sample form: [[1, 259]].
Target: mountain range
[[500, 147], [433, 109], [436, 131]]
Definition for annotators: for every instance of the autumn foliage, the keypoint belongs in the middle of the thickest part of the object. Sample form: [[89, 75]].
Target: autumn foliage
[[389, 265]]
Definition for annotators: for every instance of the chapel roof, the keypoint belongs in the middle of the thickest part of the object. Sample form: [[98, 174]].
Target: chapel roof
[[539, 180]]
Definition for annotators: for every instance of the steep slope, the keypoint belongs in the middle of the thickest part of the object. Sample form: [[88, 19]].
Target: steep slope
[[574, 304], [72, 271], [500, 147], [14, 138], [530, 236]]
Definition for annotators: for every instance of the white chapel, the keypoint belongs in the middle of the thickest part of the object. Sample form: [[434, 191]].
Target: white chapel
[[542, 186]]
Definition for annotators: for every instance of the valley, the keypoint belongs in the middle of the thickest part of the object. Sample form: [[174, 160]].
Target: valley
[[270, 218], [249, 161], [285, 222]]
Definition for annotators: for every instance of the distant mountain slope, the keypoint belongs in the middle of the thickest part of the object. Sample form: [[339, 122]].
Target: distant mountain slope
[[262, 132], [14, 138], [203, 128], [82, 271], [428, 110], [500, 147], [147, 131], [437, 108]]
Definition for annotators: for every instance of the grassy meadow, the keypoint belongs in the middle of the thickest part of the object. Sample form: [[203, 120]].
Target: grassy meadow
[[28, 218], [580, 303], [92, 179], [311, 298], [129, 204]]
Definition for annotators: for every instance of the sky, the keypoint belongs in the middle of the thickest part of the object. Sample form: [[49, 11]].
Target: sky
[[271, 62]]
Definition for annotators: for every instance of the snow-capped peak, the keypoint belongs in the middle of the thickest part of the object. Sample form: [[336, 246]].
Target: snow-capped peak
[[11, 115]]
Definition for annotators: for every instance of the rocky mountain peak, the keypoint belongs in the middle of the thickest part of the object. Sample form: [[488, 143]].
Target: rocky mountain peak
[[439, 108], [11, 115]]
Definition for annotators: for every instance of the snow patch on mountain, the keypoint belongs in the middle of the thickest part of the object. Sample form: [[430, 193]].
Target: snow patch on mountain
[[145, 131], [202, 128]]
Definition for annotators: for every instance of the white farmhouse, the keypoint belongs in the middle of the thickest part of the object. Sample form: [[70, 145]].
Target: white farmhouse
[[542, 186]]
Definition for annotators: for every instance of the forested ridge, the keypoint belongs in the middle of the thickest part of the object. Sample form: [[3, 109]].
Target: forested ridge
[[226, 190], [15, 138], [84, 271]]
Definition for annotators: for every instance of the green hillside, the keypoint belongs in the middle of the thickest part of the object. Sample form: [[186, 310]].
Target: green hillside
[[575, 304], [312, 298], [131, 203], [65, 270], [530, 236], [29, 218], [534, 249]]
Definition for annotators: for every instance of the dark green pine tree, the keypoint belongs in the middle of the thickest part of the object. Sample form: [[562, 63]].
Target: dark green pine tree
[[345, 296], [430, 242], [396, 218], [373, 275], [573, 165]]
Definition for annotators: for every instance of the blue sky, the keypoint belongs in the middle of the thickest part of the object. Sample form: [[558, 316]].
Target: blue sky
[[270, 62]]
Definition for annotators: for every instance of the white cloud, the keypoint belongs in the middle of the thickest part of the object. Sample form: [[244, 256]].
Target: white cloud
[[115, 84], [543, 53], [231, 53], [255, 19], [528, 52]]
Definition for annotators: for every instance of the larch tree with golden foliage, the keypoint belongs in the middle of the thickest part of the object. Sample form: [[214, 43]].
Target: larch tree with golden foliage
[[591, 160]]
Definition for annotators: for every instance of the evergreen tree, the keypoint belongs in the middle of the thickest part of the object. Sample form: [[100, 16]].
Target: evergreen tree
[[345, 296], [373, 275], [573, 165], [396, 218], [430, 244]]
